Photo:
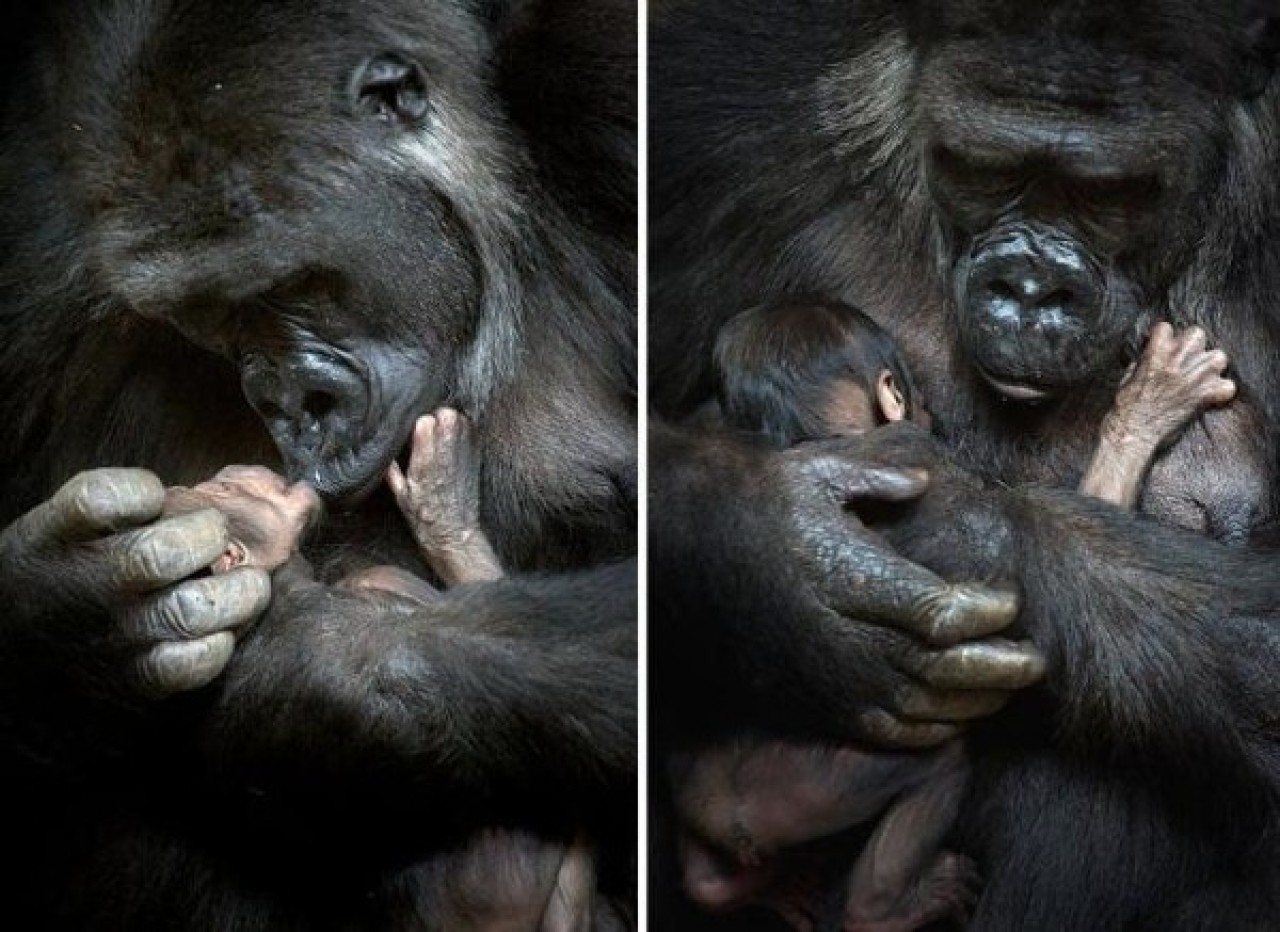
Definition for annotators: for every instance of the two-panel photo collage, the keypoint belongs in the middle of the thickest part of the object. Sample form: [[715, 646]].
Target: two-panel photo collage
[[608, 465]]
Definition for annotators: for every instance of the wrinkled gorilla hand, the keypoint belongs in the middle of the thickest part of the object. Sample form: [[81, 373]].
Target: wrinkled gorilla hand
[[816, 609], [104, 579], [945, 671]]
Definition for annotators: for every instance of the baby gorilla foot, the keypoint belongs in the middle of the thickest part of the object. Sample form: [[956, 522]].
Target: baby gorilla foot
[[265, 515], [439, 495]]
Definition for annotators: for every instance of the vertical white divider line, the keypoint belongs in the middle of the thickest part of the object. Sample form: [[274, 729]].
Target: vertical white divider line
[[642, 504]]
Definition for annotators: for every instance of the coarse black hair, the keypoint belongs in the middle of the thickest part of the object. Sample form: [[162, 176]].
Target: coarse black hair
[[775, 363]]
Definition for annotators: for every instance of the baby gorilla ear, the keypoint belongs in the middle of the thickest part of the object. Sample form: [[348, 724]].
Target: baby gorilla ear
[[893, 407], [391, 87]]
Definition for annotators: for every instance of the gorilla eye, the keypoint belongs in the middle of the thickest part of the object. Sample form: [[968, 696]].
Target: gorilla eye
[[392, 88]]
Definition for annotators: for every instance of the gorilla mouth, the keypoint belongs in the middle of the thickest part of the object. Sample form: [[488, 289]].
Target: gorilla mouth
[[338, 424], [352, 474], [1026, 392]]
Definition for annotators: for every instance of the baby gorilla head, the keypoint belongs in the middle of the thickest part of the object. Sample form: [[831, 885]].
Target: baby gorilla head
[[266, 516], [804, 368]]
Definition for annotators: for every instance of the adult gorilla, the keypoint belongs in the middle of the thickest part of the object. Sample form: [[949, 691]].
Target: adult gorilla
[[266, 232], [1016, 192]]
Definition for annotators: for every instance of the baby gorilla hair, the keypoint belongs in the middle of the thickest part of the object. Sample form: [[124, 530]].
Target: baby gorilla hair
[[775, 364]]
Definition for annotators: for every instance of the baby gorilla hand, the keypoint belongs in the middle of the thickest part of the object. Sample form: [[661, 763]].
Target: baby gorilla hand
[[1176, 379], [266, 516], [439, 495]]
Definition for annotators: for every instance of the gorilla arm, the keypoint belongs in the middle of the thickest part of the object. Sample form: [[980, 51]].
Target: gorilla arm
[[519, 688], [1157, 640], [1141, 626]]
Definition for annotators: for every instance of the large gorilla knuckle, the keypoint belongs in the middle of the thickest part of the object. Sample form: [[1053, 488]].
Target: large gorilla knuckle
[[170, 668], [181, 613]]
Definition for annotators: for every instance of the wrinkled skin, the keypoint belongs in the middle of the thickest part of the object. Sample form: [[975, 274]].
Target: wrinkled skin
[[1174, 380], [103, 536], [439, 495]]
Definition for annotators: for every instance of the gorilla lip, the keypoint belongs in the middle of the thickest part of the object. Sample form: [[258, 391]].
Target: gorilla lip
[[1015, 391]]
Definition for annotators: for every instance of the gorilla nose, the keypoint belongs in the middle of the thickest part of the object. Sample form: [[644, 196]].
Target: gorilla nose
[[310, 403], [1024, 277], [1021, 296]]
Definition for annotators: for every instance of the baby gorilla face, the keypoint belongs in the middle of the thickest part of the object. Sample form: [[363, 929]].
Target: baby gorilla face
[[266, 516]]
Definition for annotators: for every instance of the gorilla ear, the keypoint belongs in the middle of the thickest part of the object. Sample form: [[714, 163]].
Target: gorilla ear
[[391, 87]]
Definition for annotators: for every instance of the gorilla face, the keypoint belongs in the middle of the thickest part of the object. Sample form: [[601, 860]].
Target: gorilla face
[[1066, 146], [323, 218]]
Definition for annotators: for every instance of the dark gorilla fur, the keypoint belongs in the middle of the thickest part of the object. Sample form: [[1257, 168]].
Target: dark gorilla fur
[[800, 149], [189, 189]]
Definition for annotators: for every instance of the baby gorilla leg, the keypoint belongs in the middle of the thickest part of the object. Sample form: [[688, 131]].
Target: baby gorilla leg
[[761, 824], [903, 880], [266, 516], [390, 581], [502, 880]]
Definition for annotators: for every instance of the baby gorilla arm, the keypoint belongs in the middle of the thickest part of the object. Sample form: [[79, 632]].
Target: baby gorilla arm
[[1174, 381]]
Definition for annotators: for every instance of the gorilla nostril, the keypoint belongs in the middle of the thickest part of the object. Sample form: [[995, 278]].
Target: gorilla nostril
[[1060, 299], [318, 405], [1002, 291]]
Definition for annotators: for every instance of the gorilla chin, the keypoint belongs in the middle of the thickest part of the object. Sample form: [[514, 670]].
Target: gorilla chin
[[339, 417]]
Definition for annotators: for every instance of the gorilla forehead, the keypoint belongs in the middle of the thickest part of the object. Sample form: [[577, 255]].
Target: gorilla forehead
[[1206, 39], [180, 97], [223, 137]]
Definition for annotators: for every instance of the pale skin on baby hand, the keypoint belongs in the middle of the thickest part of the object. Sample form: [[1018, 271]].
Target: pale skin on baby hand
[[439, 495], [1176, 378]]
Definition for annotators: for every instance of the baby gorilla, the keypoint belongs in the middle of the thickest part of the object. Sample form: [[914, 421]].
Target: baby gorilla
[[265, 515], [806, 369], [438, 493]]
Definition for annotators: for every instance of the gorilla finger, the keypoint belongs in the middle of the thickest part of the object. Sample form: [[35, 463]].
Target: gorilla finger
[[1161, 334], [180, 666], [963, 612], [570, 907], [986, 665], [1219, 392], [94, 503], [848, 481], [911, 598], [932, 705], [423, 452], [1213, 361], [396, 481], [170, 550], [1193, 342], [200, 607], [884, 729]]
